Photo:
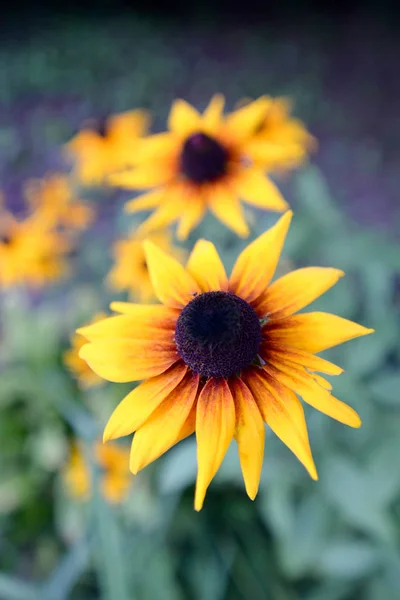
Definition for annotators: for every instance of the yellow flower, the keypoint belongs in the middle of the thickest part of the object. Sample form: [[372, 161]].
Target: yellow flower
[[53, 198], [130, 269], [76, 365], [201, 163], [112, 459], [221, 356], [111, 147], [30, 252], [281, 142]]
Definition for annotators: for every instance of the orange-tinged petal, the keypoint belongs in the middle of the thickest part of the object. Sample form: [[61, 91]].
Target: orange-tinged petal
[[146, 201], [154, 322], [143, 176], [163, 428], [183, 119], [295, 290], [213, 114], [224, 204], [315, 395], [249, 434], [243, 123], [122, 360], [286, 354], [172, 284], [141, 402], [191, 215], [206, 267], [257, 189], [256, 265], [314, 332], [284, 414], [215, 426]]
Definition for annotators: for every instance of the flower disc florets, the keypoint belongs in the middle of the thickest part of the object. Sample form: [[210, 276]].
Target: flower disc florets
[[218, 334], [203, 159]]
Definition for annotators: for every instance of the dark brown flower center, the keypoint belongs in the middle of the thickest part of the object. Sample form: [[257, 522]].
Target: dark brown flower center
[[218, 334], [203, 159]]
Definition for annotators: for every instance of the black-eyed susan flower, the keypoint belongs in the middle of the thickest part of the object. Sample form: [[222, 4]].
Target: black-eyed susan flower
[[53, 199], [221, 356], [76, 365], [201, 163], [281, 142], [31, 253], [130, 271], [108, 146], [112, 460]]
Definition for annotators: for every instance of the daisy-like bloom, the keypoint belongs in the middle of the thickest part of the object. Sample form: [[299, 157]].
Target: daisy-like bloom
[[130, 270], [54, 199], [282, 142], [221, 356], [113, 460], [76, 365], [202, 162], [31, 253], [109, 147]]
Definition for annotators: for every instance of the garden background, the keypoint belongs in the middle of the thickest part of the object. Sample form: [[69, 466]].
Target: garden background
[[338, 539]]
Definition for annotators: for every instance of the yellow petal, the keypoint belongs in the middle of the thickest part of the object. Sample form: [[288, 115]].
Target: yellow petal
[[153, 322], [206, 267], [256, 265], [141, 402], [322, 382], [243, 123], [284, 414], [172, 284], [314, 332], [286, 354], [224, 204], [257, 189], [143, 176], [122, 360], [158, 147], [213, 114], [145, 311], [171, 209], [183, 119], [297, 289], [145, 201], [316, 396], [163, 428], [215, 426], [191, 216], [249, 434]]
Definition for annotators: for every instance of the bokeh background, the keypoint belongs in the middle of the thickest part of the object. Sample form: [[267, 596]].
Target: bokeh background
[[338, 539]]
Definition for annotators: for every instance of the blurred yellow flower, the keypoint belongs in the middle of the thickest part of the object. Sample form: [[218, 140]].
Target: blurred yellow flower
[[281, 142], [201, 163], [130, 269], [53, 198], [77, 366], [109, 148], [115, 479], [31, 253]]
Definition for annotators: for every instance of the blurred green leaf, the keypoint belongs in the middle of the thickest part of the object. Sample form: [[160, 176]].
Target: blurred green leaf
[[14, 589]]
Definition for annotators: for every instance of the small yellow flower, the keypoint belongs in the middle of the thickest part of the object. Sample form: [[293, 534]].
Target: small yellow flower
[[113, 460], [281, 142], [222, 356], [130, 269], [79, 367], [201, 163], [109, 148], [53, 198], [31, 253]]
